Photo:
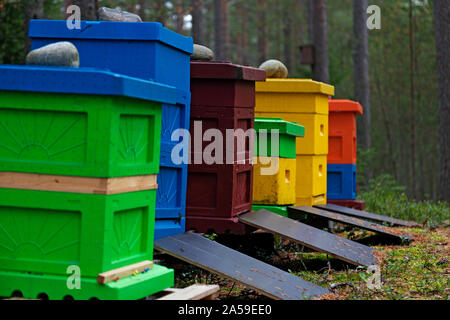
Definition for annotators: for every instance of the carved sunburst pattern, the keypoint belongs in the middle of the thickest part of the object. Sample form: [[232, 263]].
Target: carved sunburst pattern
[[48, 136], [39, 235], [129, 233], [136, 139], [171, 121], [168, 188]]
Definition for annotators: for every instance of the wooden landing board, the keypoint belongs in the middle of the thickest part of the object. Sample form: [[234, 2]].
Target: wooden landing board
[[194, 292], [47, 182], [123, 272], [366, 215], [216, 258], [351, 221], [316, 239]]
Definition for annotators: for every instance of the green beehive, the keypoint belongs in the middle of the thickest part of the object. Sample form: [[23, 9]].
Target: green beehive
[[280, 210], [288, 132], [43, 233], [83, 123], [56, 130]]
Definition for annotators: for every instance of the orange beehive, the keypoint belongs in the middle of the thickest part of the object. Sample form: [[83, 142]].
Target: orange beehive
[[342, 131]]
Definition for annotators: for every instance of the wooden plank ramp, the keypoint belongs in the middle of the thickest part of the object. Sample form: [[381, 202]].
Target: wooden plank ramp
[[231, 264], [194, 292], [316, 239], [362, 224], [367, 215]]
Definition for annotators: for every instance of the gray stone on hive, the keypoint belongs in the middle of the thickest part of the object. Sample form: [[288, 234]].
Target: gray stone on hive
[[108, 14], [274, 69], [202, 53], [63, 54]]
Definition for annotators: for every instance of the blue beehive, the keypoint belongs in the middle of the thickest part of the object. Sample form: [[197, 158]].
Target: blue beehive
[[341, 181], [145, 50]]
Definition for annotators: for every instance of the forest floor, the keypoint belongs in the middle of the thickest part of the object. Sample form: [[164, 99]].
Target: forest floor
[[419, 270]]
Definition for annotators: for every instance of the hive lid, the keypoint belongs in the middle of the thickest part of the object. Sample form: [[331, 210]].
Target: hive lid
[[290, 128], [295, 86], [225, 70], [345, 106], [111, 30], [82, 81]]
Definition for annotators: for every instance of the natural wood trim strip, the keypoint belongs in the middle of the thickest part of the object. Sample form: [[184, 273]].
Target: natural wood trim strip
[[123, 272], [106, 186], [194, 292]]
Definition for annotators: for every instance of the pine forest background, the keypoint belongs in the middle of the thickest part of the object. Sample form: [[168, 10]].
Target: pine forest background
[[405, 141]]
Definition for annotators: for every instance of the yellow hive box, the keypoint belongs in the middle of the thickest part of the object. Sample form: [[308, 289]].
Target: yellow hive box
[[293, 96], [315, 141], [298, 100], [311, 201], [311, 176], [275, 186]]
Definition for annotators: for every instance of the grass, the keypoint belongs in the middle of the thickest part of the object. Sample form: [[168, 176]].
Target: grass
[[419, 271], [384, 196]]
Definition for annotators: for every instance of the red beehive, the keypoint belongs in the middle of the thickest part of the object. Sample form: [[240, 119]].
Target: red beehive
[[342, 131], [223, 97]]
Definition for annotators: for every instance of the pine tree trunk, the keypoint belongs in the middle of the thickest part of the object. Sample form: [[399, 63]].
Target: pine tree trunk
[[142, 7], [218, 25], [262, 31], [197, 21], [309, 18], [299, 26], [244, 17], [320, 70], [361, 73], [88, 9], [180, 16], [225, 30], [442, 26], [278, 23], [67, 3], [287, 30], [158, 7], [412, 101], [33, 9]]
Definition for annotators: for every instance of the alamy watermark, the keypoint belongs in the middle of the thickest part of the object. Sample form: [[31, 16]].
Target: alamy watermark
[[73, 20], [236, 147], [374, 281], [374, 20], [74, 279]]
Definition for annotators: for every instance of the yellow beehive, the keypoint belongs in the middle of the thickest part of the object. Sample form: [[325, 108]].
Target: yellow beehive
[[311, 176], [306, 102], [298, 100], [274, 186]]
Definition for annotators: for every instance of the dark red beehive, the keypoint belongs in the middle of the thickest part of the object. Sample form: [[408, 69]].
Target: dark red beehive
[[223, 97]]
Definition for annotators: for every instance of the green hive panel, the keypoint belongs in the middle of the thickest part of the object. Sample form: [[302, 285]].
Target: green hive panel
[[280, 210], [55, 287], [79, 135], [288, 132], [45, 232]]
